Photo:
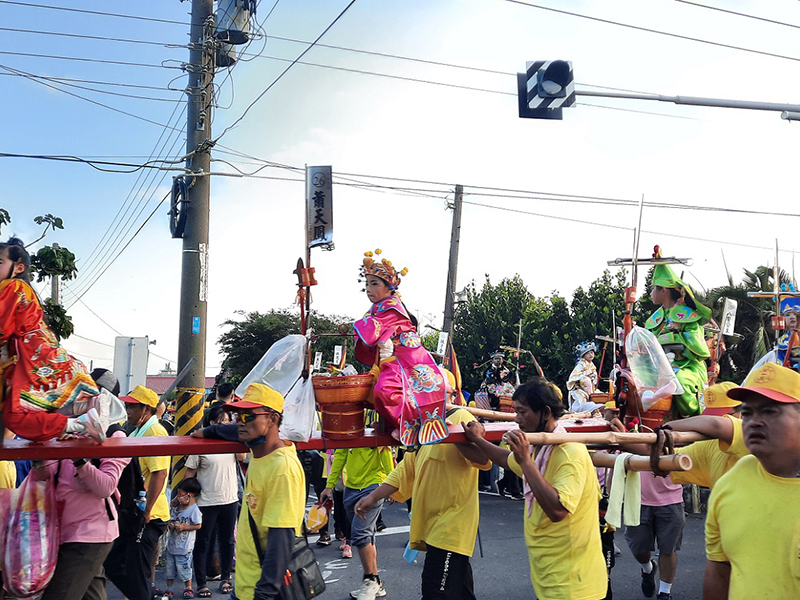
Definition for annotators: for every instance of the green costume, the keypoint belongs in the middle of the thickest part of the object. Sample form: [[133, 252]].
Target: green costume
[[680, 330]]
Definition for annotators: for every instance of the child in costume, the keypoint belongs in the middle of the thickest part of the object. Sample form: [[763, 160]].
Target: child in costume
[[410, 389], [678, 326], [582, 382], [42, 384]]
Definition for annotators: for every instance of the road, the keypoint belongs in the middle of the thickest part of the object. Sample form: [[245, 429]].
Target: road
[[501, 572]]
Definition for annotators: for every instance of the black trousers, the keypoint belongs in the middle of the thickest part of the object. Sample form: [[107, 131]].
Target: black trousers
[[79, 572], [340, 520], [223, 519], [129, 562], [446, 576]]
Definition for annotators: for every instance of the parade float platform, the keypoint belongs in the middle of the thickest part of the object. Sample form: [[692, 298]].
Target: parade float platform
[[186, 445]]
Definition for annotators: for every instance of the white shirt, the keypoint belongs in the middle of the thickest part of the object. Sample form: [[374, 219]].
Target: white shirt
[[217, 476]]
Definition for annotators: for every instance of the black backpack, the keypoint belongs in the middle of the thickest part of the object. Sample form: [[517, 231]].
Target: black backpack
[[131, 482]]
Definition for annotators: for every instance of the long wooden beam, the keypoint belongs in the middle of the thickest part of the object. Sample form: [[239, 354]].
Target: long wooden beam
[[672, 462], [609, 438]]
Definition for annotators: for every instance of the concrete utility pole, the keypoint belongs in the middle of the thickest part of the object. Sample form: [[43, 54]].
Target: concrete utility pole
[[54, 295], [194, 269], [455, 236]]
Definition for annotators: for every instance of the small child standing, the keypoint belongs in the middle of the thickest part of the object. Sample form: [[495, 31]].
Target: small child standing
[[185, 519]]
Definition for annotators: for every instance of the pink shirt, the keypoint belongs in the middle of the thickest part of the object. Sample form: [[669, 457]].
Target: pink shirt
[[659, 491], [81, 499]]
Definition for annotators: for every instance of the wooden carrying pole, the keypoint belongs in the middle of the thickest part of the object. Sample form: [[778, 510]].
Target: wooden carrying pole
[[610, 438], [672, 462], [492, 415]]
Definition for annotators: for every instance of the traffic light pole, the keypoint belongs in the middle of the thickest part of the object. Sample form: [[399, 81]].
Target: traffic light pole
[[194, 266], [789, 111]]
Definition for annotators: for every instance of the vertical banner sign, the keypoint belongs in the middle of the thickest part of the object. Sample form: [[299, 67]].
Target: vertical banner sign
[[337, 355], [441, 345], [729, 316], [317, 361], [319, 207]]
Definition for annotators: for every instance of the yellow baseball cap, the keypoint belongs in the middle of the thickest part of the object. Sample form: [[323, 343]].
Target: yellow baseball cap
[[258, 395], [141, 395], [772, 382], [717, 400]]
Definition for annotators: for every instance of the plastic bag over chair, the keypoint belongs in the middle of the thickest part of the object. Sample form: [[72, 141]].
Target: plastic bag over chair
[[648, 363], [299, 412], [29, 537], [280, 366]]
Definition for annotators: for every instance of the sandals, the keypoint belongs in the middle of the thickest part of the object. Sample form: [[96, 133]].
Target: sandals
[[204, 592], [225, 587], [165, 594], [188, 593]]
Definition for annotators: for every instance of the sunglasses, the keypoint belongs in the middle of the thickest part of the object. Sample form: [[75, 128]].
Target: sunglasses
[[248, 417]]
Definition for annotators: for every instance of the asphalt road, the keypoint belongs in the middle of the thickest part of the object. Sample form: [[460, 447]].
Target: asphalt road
[[502, 571]]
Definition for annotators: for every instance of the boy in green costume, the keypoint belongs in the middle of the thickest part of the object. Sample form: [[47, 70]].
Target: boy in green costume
[[678, 326]]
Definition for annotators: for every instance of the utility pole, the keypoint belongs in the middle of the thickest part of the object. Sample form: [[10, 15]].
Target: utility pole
[[455, 236], [54, 295], [194, 268]]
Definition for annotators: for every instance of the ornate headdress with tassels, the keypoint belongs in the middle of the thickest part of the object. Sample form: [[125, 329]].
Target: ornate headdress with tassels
[[381, 268], [584, 347]]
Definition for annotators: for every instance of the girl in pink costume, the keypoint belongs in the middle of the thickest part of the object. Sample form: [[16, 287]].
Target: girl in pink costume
[[410, 390]]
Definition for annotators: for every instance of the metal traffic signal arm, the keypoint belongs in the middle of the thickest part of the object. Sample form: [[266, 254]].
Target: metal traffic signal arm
[[548, 86]]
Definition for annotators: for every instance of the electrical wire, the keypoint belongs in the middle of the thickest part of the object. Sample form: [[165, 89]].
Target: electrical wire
[[94, 163], [94, 12], [91, 89], [91, 60], [739, 14], [127, 210], [656, 31], [94, 82], [286, 70], [94, 37], [102, 320], [63, 91]]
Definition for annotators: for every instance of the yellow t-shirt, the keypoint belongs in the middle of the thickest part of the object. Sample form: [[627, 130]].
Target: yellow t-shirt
[[275, 494], [151, 464], [8, 474], [364, 466], [566, 558], [754, 524], [711, 459], [444, 486]]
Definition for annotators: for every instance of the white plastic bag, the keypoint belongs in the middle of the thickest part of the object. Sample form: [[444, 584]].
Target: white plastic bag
[[280, 366], [649, 365], [299, 412]]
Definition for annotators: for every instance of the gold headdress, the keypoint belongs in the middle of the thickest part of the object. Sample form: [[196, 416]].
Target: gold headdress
[[382, 268]]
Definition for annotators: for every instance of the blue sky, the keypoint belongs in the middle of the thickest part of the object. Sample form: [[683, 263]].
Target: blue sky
[[368, 125]]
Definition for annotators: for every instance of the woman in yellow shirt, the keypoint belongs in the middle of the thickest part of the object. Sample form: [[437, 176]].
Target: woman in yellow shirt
[[562, 527]]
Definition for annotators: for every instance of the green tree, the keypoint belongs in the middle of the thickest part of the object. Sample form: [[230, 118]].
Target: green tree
[[753, 320], [50, 261], [251, 335]]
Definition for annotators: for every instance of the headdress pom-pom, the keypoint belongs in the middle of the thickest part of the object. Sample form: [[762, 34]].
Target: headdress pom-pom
[[368, 262], [404, 272], [378, 251], [367, 254]]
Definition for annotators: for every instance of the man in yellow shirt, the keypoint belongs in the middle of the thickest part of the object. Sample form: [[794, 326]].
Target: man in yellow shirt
[[366, 468], [274, 497], [753, 523], [128, 565], [443, 480], [562, 494]]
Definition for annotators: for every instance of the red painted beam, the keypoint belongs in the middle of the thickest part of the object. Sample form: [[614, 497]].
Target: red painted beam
[[185, 445]]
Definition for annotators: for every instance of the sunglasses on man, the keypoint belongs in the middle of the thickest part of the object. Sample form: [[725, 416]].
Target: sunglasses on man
[[248, 417]]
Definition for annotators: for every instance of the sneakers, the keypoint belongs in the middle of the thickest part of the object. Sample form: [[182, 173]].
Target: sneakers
[[91, 426], [649, 580], [664, 596], [347, 552], [380, 525], [369, 590], [324, 539], [343, 544]]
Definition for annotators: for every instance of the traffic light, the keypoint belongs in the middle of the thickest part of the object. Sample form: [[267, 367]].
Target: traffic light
[[545, 88]]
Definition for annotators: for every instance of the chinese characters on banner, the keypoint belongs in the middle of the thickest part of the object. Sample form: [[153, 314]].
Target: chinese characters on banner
[[319, 207]]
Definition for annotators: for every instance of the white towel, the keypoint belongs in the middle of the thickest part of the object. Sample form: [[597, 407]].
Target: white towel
[[626, 490]]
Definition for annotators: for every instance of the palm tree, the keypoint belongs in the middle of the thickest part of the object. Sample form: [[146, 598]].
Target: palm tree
[[753, 320]]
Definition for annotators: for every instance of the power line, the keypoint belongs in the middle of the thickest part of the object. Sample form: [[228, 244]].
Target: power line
[[656, 31], [94, 163], [739, 14], [93, 82], [91, 60], [102, 320], [63, 91], [93, 37], [94, 12], [286, 70], [90, 89]]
